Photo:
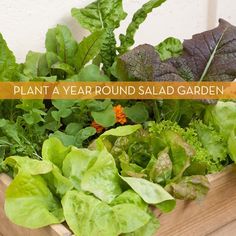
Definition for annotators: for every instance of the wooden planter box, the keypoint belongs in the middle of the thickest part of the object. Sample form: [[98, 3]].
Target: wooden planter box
[[213, 216]]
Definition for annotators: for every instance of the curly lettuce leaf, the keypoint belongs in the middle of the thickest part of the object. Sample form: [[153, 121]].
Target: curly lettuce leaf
[[32, 205], [170, 47], [212, 141], [100, 14], [222, 117], [232, 145], [139, 17]]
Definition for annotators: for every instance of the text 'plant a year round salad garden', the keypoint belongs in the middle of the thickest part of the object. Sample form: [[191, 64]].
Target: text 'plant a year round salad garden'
[[103, 166]]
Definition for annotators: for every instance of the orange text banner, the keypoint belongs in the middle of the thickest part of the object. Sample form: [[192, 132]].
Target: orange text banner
[[117, 90]]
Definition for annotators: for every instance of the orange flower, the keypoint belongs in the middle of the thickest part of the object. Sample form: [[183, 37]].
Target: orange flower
[[120, 115], [98, 127]]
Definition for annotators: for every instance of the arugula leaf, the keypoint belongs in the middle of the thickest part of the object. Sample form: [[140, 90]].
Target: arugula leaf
[[99, 218], [100, 14], [88, 48], [139, 17], [8, 64], [170, 47], [32, 205]]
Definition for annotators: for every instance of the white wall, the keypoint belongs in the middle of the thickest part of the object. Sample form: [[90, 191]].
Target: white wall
[[24, 23]]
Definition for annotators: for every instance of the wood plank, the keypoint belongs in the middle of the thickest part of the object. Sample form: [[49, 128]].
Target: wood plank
[[226, 230], [207, 216], [9, 229]]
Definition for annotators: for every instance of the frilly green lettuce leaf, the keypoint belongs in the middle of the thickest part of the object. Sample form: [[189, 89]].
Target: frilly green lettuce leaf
[[170, 47], [222, 117]]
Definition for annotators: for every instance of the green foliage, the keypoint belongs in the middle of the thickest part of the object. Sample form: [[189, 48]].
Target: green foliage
[[139, 17], [100, 14], [8, 66], [89, 187], [170, 47]]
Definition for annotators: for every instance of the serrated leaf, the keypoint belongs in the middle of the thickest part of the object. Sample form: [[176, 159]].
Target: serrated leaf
[[100, 14]]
